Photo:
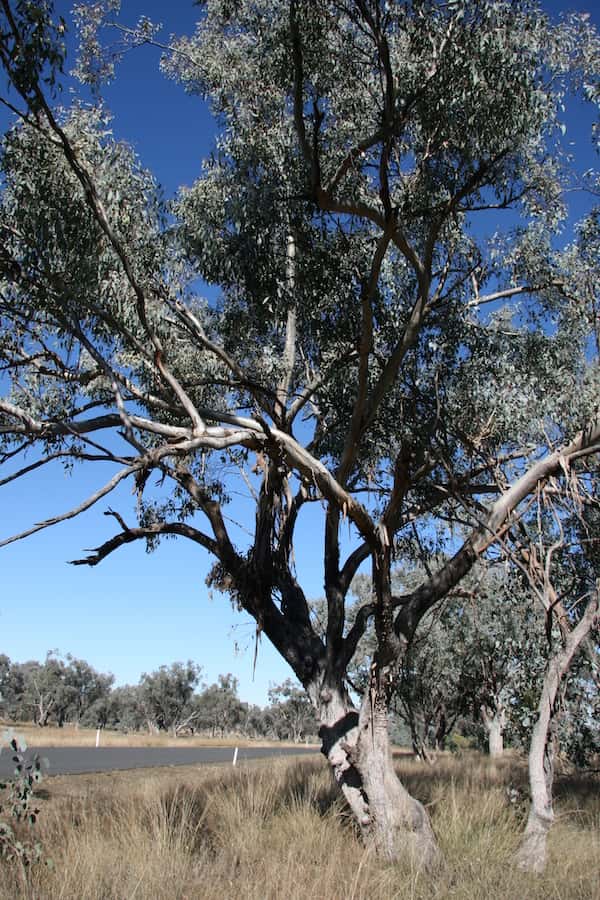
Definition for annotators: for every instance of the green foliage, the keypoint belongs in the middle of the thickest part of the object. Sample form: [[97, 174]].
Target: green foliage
[[35, 44], [18, 811], [485, 647], [218, 709], [290, 712], [57, 690], [166, 695]]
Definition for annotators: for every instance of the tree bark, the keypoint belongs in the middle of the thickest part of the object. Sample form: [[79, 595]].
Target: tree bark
[[441, 729], [532, 853], [494, 722], [357, 745]]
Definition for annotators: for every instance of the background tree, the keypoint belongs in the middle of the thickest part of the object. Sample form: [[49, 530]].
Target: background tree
[[87, 688], [47, 693], [371, 351], [11, 688], [472, 663], [504, 655], [60, 690], [579, 727], [125, 711], [291, 712], [562, 567], [167, 696], [218, 708]]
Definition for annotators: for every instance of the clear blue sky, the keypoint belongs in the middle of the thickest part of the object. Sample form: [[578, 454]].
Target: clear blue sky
[[135, 611]]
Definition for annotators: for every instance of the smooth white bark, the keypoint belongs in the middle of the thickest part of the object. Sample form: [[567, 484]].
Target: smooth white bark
[[494, 722], [358, 748], [532, 853]]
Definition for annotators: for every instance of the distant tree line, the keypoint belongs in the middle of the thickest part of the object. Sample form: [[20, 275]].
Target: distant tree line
[[66, 690], [471, 678]]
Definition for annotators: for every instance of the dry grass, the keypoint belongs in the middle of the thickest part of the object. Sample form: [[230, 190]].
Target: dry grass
[[277, 830], [70, 736]]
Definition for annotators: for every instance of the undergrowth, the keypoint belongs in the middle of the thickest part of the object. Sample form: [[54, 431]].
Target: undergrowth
[[280, 831]]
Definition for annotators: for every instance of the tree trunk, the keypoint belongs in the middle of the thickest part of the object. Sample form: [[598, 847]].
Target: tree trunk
[[494, 722], [418, 731], [43, 714], [532, 853], [358, 748], [441, 729]]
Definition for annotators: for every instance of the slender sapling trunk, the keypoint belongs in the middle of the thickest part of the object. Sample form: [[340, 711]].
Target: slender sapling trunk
[[532, 853]]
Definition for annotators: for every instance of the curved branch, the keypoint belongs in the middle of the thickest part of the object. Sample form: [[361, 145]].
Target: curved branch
[[415, 605], [350, 567], [62, 454], [128, 535], [359, 627]]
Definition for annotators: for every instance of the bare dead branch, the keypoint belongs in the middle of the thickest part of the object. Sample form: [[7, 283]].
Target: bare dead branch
[[129, 535]]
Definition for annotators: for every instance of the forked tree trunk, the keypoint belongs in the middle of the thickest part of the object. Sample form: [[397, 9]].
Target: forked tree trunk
[[358, 748], [532, 853], [494, 722]]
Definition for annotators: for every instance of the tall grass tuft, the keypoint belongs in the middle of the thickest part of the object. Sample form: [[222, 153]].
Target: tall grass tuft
[[279, 830]]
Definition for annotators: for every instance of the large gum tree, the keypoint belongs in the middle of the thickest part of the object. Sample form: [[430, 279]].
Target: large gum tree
[[376, 353]]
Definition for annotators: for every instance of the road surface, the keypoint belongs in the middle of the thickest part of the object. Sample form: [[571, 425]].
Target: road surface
[[77, 760]]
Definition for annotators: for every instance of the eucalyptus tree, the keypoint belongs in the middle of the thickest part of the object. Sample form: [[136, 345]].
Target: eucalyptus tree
[[12, 688], [218, 708], [87, 688], [167, 697], [291, 712], [47, 693], [476, 659], [372, 354], [471, 660], [125, 711], [563, 569]]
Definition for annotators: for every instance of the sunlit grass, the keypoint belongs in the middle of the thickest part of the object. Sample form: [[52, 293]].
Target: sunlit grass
[[71, 736], [278, 830]]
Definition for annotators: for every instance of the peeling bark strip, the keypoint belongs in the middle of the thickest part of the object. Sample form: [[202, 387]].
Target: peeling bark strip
[[532, 853]]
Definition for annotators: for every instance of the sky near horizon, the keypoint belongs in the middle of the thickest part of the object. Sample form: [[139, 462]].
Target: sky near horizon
[[137, 611]]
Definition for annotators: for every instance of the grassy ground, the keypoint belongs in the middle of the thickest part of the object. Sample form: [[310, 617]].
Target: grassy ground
[[70, 736], [277, 830]]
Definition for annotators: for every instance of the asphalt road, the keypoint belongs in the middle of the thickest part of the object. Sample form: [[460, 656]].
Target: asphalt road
[[76, 760]]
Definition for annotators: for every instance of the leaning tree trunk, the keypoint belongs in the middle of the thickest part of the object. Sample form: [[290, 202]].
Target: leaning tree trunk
[[494, 722], [357, 745], [532, 853]]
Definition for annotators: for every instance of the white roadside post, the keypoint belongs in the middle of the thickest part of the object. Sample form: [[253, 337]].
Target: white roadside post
[[97, 737], [235, 754]]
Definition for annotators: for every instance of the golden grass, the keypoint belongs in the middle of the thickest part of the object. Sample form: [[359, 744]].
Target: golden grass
[[278, 831], [70, 736]]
